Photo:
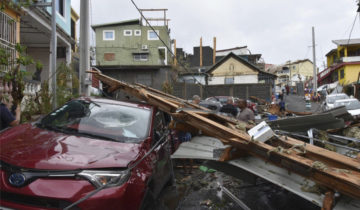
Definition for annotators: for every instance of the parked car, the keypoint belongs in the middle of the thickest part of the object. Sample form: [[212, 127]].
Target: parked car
[[330, 100], [221, 99], [85, 145], [212, 105], [352, 105]]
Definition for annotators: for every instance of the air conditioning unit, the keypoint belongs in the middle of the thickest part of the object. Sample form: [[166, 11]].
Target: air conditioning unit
[[144, 47]]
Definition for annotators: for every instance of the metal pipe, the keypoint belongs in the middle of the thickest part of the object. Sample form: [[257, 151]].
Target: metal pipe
[[84, 47], [53, 49], [232, 196]]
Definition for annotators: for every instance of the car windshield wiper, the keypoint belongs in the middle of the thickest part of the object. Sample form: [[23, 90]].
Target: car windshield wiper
[[95, 136], [49, 127]]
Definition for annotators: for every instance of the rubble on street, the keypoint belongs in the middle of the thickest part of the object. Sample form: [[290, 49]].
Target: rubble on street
[[331, 170]]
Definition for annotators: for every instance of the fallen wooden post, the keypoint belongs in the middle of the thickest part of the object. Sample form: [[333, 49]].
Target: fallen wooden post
[[336, 172]]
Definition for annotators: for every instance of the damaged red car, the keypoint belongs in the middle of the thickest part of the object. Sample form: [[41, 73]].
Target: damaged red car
[[120, 151]]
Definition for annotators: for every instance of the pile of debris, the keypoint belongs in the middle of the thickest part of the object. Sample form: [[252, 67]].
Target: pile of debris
[[331, 170]]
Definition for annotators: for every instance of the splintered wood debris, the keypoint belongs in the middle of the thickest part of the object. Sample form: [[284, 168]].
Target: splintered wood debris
[[312, 162]]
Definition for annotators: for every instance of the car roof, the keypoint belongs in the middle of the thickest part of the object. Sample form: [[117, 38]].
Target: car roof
[[134, 104], [338, 94], [346, 100]]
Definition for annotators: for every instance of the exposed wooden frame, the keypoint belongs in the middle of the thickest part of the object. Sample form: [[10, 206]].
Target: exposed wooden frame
[[334, 171]]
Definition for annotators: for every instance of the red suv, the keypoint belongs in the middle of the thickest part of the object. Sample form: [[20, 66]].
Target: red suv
[[119, 149]]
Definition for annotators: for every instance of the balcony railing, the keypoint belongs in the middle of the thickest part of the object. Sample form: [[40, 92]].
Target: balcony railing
[[350, 59], [7, 39]]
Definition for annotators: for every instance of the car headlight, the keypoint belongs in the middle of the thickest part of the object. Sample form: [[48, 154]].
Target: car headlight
[[100, 178]]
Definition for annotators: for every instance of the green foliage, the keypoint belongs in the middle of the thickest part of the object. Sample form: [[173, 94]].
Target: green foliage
[[15, 5], [4, 57], [38, 65], [167, 87], [65, 79], [37, 105]]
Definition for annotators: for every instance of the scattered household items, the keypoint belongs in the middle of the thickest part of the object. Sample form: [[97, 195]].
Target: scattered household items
[[324, 167], [261, 132]]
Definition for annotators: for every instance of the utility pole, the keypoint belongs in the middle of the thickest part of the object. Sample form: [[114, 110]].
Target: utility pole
[[53, 49], [314, 61], [84, 47], [201, 58], [175, 58], [214, 51]]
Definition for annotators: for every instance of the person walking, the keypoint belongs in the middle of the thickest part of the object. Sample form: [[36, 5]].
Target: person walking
[[245, 114], [229, 108]]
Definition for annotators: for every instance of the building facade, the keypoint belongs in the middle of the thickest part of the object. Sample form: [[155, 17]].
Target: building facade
[[343, 63], [35, 34], [132, 52], [129, 43], [9, 32], [233, 69]]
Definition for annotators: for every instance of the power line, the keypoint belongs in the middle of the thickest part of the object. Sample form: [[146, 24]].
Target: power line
[[352, 27], [167, 47]]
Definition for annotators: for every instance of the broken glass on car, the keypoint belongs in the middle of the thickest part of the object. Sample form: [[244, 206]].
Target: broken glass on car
[[99, 120]]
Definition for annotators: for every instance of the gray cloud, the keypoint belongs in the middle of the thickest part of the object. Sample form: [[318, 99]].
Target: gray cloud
[[280, 30]]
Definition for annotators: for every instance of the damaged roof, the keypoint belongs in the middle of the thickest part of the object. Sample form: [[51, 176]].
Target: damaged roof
[[125, 22], [344, 42]]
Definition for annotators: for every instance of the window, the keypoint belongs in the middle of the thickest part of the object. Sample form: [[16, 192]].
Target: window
[[108, 35], [7, 40], [229, 80], [141, 57], [342, 74], [106, 121], [127, 32], [109, 56], [60, 7], [152, 35], [162, 56], [137, 32]]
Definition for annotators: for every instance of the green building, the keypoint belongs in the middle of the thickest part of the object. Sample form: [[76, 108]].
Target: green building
[[132, 52]]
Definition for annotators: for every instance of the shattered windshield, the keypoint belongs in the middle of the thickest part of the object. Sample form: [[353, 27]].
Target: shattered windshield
[[100, 120]]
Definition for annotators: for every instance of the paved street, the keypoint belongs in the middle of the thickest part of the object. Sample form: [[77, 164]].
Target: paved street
[[297, 103]]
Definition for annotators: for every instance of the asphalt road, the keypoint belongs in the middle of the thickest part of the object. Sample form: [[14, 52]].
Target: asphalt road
[[297, 103]]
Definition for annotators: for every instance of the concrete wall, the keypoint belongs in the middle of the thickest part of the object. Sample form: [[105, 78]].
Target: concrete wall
[[151, 77], [243, 79], [123, 47], [351, 74], [41, 54], [304, 68], [186, 91], [233, 67]]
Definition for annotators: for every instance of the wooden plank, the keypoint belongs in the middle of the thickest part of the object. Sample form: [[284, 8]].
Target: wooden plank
[[338, 172]]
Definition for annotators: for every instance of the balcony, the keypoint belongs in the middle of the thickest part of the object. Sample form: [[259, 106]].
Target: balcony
[[350, 59]]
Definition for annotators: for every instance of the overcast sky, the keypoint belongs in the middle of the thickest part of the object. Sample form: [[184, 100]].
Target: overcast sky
[[280, 30]]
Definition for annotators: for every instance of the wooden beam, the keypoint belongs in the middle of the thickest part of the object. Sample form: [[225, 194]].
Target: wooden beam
[[332, 170]]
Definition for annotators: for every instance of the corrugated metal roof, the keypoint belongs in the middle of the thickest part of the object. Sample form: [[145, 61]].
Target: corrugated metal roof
[[342, 42]]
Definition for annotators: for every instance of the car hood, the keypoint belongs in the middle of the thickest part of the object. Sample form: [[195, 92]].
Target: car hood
[[31, 147]]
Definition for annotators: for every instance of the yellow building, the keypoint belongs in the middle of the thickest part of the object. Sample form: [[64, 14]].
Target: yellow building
[[343, 63], [74, 18], [303, 69]]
